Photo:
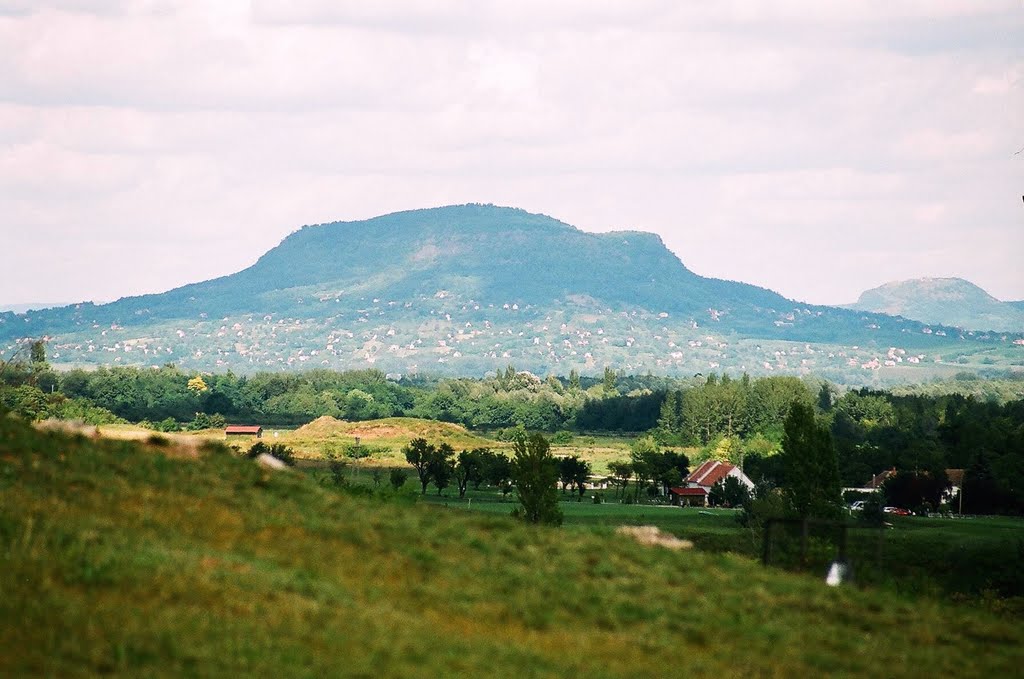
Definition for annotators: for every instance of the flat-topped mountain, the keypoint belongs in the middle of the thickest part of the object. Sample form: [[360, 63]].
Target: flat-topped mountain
[[475, 251], [944, 301], [466, 289]]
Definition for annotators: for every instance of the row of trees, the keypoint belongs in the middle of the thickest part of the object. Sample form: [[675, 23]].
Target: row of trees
[[439, 465], [736, 419], [533, 471]]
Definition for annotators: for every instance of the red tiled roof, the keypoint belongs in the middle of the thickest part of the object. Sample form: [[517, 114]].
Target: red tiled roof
[[955, 476], [880, 478], [710, 473], [242, 429], [688, 491]]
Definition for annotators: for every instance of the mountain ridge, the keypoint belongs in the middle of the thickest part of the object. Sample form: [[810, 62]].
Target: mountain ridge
[[467, 289]]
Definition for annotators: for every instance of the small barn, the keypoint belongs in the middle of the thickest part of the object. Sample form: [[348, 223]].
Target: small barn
[[688, 497], [243, 430]]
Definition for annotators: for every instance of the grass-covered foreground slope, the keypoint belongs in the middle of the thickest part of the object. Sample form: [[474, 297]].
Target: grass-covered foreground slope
[[125, 558]]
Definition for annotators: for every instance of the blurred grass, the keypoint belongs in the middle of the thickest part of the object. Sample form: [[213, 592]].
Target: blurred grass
[[128, 559]]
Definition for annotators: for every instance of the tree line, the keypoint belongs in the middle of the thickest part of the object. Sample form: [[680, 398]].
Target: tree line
[[740, 420]]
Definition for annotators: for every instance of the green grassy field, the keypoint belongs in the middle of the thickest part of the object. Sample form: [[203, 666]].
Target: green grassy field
[[148, 559], [977, 559]]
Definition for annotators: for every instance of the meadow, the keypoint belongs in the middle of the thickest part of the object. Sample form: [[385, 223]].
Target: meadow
[[150, 558], [972, 559]]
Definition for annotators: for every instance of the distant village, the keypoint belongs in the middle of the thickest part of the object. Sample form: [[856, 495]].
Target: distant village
[[444, 334]]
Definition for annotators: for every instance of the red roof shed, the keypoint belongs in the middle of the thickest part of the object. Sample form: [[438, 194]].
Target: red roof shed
[[243, 430]]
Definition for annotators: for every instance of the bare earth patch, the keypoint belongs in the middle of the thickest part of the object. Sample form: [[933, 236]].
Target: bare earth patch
[[650, 535]]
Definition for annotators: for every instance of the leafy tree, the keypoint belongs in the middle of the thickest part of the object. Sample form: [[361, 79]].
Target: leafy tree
[[622, 472], [871, 513], [643, 458], [197, 384], [419, 454], [609, 381], [441, 466], [257, 449], [468, 469], [826, 397], [203, 421], [811, 470], [562, 437], [167, 425], [535, 475], [38, 352], [338, 469], [573, 473], [283, 453], [398, 478], [913, 490], [497, 470], [669, 468], [728, 492], [982, 493], [278, 450]]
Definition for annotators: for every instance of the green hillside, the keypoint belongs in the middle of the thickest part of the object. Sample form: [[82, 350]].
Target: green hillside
[[132, 559], [471, 288]]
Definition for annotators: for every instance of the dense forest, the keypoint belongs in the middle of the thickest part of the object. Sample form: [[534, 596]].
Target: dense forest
[[710, 416]]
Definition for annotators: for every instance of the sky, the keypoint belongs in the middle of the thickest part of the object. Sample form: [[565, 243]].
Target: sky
[[818, 149]]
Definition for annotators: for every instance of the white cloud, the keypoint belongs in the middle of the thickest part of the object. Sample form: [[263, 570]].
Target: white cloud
[[811, 148]]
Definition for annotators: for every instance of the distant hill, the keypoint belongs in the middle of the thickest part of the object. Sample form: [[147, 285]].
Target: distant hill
[[464, 290], [473, 251], [944, 301]]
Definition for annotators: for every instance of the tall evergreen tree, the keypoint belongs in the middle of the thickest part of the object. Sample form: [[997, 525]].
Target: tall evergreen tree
[[810, 466]]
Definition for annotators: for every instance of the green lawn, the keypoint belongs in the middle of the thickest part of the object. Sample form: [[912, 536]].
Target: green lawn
[[142, 559], [971, 558]]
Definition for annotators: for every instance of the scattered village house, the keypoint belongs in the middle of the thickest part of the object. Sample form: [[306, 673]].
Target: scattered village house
[[241, 430], [698, 484], [955, 477]]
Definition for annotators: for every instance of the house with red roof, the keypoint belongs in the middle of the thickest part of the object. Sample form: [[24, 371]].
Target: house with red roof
[[699, 482]]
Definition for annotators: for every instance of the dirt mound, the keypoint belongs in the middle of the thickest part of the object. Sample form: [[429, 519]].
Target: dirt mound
[[324, 425], [388, 428]]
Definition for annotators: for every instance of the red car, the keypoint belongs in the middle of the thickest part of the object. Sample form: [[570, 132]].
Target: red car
[[898, 511]]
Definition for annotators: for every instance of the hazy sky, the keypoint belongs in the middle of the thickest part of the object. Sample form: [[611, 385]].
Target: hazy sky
[[815, 148]]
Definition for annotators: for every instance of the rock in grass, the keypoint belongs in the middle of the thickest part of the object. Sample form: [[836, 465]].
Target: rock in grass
[[650, 535]]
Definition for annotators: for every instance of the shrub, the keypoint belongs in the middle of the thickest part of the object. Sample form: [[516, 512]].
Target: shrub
[[398, 478], [562, 438], [283, 453], [871, 513], [257, 449], [204, 421], [168, 425], [338, 469], [278, 450], [215, 447]]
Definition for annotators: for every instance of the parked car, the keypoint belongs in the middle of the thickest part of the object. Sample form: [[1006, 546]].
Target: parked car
[[857, 506], [898, 511]]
